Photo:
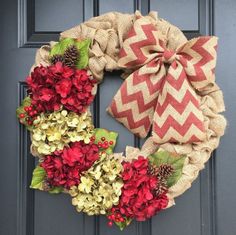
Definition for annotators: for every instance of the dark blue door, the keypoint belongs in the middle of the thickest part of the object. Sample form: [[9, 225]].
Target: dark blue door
[[208, 208]]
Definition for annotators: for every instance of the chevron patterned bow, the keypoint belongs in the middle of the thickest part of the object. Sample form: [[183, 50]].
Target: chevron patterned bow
[[162, 91]]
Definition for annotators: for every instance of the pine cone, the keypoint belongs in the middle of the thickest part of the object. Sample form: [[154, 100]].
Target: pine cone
[[152, 169], [56, 58], [161, 188], [165, 171], [71, 56], [46, 186]]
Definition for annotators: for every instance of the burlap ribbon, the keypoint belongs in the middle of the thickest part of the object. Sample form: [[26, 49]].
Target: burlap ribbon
[[108, 33], [161, 92]]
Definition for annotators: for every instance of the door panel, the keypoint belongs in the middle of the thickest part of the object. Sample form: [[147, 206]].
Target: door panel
[[206, 209], [121, 5], [49, 18], [183, 13]]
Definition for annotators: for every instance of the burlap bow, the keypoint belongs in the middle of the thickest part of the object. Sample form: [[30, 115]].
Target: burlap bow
[[162, 90]]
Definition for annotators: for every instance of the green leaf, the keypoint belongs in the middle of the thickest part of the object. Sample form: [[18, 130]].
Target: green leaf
[[26, 102], [124, 224], [60, 47], [39, 176], [109, 136], [19, 110], [83, 47], [56, 190], [176, 161]]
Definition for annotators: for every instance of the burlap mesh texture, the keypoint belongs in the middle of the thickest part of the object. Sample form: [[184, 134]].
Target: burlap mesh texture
[[107, 33]]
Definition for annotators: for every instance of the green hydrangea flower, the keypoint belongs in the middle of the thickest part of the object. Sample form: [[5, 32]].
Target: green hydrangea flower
[[100, 186], [54, 131]]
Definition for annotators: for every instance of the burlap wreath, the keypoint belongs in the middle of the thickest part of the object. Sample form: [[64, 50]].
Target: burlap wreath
[[107, 33]]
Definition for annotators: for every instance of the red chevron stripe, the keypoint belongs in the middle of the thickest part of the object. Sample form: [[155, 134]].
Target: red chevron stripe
[[176, 83], [206, 57], [138, 97], [131, 124], [130, 34], [181, 129], [178, 106], [213, 69], [136, 46], [191, 140], [198, 47], [152, 88]]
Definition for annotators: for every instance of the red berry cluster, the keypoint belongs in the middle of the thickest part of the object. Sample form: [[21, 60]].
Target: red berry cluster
[[104, 144], [114, 216], [29, 115]]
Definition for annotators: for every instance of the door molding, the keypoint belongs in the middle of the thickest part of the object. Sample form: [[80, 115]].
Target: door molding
[[26, 163], [28, 37]]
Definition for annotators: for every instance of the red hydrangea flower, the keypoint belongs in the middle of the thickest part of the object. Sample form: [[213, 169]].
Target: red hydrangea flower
[[138, 199], [56, 85], [63, 168]]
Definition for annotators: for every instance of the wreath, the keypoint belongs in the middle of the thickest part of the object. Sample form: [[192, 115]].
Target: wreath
[[169, 94]]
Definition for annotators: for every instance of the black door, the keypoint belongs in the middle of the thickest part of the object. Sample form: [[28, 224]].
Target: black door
[[208, 208]]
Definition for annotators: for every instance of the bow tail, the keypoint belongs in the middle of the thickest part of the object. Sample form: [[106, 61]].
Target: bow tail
[[135, 101], [177, 116]]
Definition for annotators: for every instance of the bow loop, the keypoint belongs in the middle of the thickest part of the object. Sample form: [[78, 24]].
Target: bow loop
[[142, 45], [161, 96], [200, 54]]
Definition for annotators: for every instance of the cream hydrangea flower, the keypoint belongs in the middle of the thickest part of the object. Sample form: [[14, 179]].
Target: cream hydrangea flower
[[100, 186], [86, 184], [55, 130]]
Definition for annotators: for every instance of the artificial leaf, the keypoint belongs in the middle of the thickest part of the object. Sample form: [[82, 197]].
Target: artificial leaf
[[38, 178], [109, 136], [124, 224], [56, 190], [60, 47], [83, 47], [176, 161], [26, 102]]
